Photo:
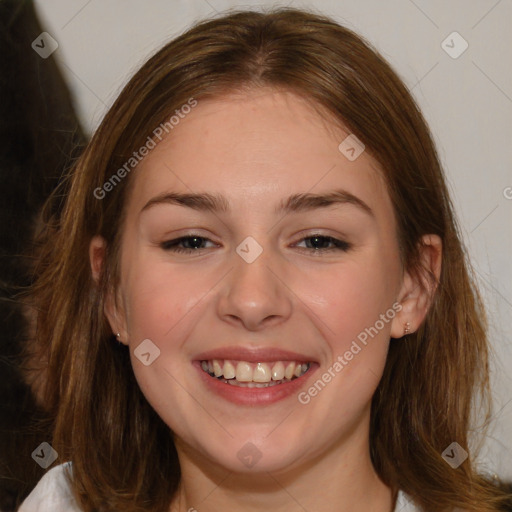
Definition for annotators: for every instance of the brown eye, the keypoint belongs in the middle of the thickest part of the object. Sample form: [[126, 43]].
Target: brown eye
[[185, 244], [322, 243]]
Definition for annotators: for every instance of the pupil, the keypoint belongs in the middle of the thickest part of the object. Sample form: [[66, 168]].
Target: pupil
[[193, 241], [314, 241]]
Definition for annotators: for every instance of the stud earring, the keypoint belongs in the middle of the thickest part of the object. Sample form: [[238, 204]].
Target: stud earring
[[407, 328]]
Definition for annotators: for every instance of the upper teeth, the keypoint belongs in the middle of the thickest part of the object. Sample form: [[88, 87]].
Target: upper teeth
[[243, 371]]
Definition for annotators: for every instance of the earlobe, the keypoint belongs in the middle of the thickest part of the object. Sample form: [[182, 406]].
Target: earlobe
[[115, 319], [418, 288]]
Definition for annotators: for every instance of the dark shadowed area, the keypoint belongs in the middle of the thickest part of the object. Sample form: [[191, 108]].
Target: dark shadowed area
[[40, 135]]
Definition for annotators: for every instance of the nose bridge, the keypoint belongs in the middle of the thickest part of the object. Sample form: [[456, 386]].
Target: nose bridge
[[252, 294]]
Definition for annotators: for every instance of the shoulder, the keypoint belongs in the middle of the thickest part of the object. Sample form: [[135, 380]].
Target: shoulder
[[52, 493], [404, 503]]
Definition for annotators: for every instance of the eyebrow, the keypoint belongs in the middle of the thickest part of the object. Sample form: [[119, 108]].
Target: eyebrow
[[217, 203]]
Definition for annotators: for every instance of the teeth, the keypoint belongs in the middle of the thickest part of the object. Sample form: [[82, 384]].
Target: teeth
[[217, 369], [243, 372], [228, 371], [262, 373], [254, 374], [278, 371], [234, 382], [288, 373]]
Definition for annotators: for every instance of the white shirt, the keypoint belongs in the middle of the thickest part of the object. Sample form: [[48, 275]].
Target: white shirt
[[52, 494]]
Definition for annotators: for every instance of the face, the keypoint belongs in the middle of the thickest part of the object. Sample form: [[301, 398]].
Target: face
[[258, 316]]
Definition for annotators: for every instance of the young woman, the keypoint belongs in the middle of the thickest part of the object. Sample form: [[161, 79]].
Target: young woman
[[255, 296]]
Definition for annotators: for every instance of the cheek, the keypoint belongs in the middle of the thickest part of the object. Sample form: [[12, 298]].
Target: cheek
[[159, 298], [351, 298], [162, 305], [349, 301], [355, 303]]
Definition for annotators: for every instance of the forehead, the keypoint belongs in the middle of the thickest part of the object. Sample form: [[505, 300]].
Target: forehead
[[256, 146]]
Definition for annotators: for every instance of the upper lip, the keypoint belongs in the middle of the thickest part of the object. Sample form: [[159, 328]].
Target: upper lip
[[256, 355]]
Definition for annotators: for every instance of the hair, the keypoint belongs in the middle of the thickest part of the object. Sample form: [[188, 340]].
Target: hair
[[425, 398]]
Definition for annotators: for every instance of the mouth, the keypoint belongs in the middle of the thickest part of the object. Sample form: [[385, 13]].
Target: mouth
[[257, 377], [246, 374]]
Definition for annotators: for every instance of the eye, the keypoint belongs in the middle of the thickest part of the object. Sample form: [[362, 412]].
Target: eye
[[316, 243], [192, 243], [319, 243]]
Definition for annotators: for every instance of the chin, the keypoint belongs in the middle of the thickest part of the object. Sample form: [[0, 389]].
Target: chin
[[251, 454]]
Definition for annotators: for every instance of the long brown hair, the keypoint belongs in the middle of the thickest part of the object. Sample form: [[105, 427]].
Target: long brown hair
[[423, 402]]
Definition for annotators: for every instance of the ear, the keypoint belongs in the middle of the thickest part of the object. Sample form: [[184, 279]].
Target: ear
[[115, 315], [417, 291]]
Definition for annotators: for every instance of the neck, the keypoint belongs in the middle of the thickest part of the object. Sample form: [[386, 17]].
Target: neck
[[339, 479]]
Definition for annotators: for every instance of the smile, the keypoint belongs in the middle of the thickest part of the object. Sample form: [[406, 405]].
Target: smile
[[254, 375]]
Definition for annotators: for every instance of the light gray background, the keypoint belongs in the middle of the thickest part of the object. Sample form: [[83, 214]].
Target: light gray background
[[467, 102]]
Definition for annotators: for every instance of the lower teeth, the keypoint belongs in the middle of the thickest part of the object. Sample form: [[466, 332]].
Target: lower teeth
[[234, 382]]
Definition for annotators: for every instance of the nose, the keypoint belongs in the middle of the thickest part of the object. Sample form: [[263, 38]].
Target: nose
[[255, 295]]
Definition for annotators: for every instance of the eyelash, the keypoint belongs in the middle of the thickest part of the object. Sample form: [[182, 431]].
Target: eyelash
[[339, 245]]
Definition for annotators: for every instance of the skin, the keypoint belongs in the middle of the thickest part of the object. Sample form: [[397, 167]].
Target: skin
[[258, 148]]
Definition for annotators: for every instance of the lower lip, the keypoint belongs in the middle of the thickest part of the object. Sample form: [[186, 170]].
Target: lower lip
[[254, 396]]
